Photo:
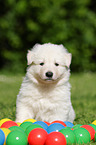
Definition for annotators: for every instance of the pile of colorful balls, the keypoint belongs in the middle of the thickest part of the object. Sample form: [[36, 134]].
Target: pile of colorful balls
[[34, 132]]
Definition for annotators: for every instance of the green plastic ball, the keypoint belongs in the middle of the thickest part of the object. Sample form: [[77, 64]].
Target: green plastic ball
[[16, 138], [31, 127], [67, 128], [24, 125], [16, 128], [69, 135], [76, 126], [82, 136]]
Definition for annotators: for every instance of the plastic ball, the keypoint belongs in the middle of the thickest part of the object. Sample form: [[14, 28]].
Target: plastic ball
[[31, 127], [12, 128], [76, 126], [16, 138], [82, 136], [30, 120], [69, 135], [18, 123], [94, 122], [94, 126], [6, 132], [94, 137], [68, 128], [37, 136], [55, 127], [58, 121], [24, 125], [90, 130], [41, 123], [8, 124], [2, 137], [48, 123], [55, 138], [68, 124], [4, 120]]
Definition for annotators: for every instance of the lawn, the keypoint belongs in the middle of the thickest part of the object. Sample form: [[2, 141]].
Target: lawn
[[83, 96], [9, 88]]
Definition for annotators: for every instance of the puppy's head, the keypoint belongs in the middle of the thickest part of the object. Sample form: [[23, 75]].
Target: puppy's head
[[48, 63]]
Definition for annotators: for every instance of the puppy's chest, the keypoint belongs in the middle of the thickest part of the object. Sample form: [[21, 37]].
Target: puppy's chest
[[46, 94], [44, 103], [42, 95], [39, 97]]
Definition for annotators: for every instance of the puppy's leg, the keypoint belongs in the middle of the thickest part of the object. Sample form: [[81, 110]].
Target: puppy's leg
[[71, 116], [23, 112], [56, 114]]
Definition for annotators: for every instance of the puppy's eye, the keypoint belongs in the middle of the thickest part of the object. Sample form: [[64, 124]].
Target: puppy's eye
[[56, 64], [42, 63]]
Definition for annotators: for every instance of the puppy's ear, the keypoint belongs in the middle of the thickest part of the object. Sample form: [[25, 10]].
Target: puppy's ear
[[68, 59], [30, 56]]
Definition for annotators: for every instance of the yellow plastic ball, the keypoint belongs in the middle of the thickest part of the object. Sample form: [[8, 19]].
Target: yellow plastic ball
[[18, 123], [30, 120], [6, 132], [94, 122], [4, 120]]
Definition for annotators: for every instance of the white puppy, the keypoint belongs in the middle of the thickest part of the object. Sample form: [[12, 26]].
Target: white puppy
[[45, 91]]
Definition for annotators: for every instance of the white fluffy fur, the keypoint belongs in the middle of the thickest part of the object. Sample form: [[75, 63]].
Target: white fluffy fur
[[41, 97]]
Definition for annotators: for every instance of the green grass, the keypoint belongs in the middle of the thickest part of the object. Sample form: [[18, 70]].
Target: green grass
[[83, 96], [9, 88]]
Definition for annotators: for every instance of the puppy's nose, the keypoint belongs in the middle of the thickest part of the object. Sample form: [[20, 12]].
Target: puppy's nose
[[49, 74]]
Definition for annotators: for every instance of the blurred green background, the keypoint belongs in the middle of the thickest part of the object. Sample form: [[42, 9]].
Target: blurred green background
[[26, 22]]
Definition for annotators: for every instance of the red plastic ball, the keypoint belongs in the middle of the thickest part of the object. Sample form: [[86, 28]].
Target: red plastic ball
[[37, 136], [58, 121], [48, 123], [8, 124], [90, 129], [55, 138]]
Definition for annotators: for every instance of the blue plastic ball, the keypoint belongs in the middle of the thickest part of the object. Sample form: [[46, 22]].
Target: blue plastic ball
[[42, 124], [2, 137], [69, 124], [55, 127]]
